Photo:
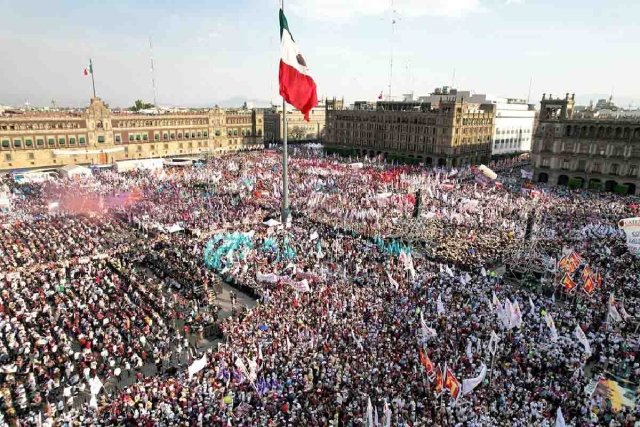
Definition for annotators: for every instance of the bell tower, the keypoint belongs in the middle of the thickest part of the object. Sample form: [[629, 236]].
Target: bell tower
[[556, 108]]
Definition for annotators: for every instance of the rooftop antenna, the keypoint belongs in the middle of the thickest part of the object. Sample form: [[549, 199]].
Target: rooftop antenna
[[393, 31], [529, 95], [153, 75], [453, 79], [611, 97]]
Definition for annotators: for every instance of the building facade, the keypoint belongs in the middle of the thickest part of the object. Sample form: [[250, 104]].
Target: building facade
[[99, 136], [597, 152], [299, 129], [514, 127], [449, 132]]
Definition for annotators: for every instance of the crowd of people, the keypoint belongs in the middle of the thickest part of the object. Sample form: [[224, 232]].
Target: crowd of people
[[369, 312]]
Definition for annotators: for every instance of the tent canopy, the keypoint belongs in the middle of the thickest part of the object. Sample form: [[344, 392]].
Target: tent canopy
[[272, 223], [72, 171], [175, 228]]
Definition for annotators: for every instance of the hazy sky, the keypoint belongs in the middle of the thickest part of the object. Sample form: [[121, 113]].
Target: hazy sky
[[208, 51]]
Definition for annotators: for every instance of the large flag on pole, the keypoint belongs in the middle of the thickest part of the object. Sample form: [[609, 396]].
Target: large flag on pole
[[296, 85]]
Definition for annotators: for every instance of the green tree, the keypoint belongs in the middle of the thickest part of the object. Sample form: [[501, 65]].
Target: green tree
[[298, 133], [141, 105]]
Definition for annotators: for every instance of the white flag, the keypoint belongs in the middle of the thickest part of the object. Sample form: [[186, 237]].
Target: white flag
[[449, 271], [387, 414], [496, 302], [483, 272], [427, 332], [393, 282], [552, 327], [369, 413], [507, 314], [95, 385], [197, 366], [493, 343], [469, 384], [560, 419], [314, 236], [614, 314], [583, 339], [253, 370], [440, 305], [515, 315], [533, 307], [469, 350]]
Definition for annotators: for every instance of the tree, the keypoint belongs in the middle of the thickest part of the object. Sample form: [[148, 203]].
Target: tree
[[297, 133], [140, 105]]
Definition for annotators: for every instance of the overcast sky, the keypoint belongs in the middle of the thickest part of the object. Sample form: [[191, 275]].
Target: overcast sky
[[209, 51]]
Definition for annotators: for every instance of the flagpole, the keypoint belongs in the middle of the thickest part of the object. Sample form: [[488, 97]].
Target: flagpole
[[285, 172], [93, 82]]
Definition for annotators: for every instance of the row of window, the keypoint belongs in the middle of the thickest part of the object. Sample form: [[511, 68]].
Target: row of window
[[41, 126], [582, 166], [512, 131], [40, 142], [150, 123], [133, 137]]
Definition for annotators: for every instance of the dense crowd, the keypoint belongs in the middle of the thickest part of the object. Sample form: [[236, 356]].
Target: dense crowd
[[366, 314]]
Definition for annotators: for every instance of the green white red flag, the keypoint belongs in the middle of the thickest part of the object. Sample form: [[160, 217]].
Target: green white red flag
[[296, 85]]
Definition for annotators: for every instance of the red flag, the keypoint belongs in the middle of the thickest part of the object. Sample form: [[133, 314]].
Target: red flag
[[568, 283], [380, 96], [599, 279], [576, 258], [439, 382], [425, 361], [589, 285], [563, 263], [586, 273], [452, 384]]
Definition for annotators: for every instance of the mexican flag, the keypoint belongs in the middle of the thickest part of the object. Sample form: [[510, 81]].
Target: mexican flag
[[89, 69], [296, 85]]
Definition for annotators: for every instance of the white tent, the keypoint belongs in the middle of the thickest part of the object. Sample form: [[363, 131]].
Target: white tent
[[74, 171], [175, 228], [272, 223]]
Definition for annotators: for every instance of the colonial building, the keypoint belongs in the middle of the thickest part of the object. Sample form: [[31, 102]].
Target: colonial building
[[451, 131], [299, 129], [99, 136], [595, 151]]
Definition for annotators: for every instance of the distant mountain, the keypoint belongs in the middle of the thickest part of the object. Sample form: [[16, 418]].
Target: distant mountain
[[622, 101], [238, 101]]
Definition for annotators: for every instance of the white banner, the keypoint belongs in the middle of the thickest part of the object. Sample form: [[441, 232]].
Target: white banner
[[269, 278], [631, 227], [197, 366]]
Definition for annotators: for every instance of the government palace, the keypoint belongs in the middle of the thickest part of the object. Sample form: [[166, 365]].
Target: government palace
[[100, 136]]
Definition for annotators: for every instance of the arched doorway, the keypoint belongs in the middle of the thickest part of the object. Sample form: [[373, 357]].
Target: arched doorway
[[429, 161], [543, 177], [442, 162], [595, 184], [581, 179], [454, 162], [610, 186], [631, 189], [563, 180]]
